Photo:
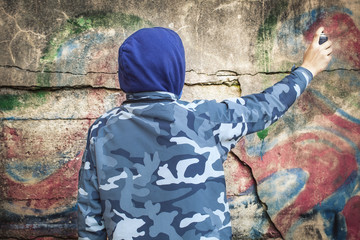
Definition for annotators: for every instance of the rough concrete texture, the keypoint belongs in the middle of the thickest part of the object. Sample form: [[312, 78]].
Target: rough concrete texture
[[298, 179]]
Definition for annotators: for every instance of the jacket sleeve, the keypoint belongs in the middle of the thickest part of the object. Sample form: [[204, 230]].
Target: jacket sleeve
[[255, 112], [90, 222]]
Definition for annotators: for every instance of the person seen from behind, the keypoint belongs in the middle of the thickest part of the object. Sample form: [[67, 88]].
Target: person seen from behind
[[153, 167]]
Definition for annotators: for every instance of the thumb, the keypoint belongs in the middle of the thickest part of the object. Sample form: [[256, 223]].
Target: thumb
[[317, 35]]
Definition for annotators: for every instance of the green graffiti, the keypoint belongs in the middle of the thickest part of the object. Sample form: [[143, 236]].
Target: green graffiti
[[266, 34], [263, 134], [70, 29], [79, 25], [40, 96], [10, 102], [75, 26]]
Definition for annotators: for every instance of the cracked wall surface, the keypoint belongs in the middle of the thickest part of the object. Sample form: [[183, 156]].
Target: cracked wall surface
[[298, 179]]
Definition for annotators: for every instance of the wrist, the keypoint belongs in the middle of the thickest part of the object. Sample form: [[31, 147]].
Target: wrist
[[309, 68]]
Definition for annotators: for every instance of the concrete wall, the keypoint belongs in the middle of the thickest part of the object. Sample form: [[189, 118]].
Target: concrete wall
[[299, 179]]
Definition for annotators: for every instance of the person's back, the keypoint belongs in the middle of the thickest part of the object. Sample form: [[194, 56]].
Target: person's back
[[159, 169], [152, 168]]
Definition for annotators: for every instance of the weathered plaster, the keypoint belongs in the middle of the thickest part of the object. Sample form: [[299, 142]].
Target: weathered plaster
[[58, 72]]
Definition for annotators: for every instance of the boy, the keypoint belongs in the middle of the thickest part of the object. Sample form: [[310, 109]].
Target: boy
[[152, 168]]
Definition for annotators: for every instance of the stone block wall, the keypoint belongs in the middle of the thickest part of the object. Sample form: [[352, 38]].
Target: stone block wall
[[298, 179]]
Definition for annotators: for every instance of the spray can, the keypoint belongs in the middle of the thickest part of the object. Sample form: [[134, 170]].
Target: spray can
[[323, 38]]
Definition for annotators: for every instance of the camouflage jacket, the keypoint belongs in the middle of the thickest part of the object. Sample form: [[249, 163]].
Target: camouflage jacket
[[153, 169]]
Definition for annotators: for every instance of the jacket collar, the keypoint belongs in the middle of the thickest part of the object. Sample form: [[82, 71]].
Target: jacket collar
[[156, 95]]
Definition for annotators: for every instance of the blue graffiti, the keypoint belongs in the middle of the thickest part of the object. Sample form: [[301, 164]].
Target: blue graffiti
[[333, 106], [281, 188], [29, 172]]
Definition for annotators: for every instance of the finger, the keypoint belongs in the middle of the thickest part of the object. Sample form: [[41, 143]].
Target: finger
[[328, 51], [326, 44], [317, 34]]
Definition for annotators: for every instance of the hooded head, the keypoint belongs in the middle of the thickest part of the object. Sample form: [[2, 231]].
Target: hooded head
[[152, 59]]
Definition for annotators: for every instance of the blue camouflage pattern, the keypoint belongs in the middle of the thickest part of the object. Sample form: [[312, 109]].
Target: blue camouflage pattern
[[153, 167]]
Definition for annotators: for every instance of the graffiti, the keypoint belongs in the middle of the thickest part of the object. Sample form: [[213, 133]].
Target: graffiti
[[73, 28], [307, 164], [48, 196], [341, 27], [40, 163], [32, 205], [10, 102], [39, 175]]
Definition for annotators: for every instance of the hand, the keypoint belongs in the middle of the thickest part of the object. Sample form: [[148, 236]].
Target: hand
[[317, 57]]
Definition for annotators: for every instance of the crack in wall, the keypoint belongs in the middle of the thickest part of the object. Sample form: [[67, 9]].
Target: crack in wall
[[11, 118], [263, 204], [218, 73], [7, 199], [47, 119], [55, 72], [38, 236], [34, 88]]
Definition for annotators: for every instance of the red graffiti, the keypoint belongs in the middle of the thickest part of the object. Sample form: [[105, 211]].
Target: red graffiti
[[328, 159], [238, 177], [47, 193], [343, 32], [12, 139], [352, 216]]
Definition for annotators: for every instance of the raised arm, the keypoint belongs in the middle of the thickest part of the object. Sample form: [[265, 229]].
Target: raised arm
[[255, 112], [267, 107]]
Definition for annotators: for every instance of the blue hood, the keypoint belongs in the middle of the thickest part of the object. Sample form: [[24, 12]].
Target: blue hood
[[152, 59]]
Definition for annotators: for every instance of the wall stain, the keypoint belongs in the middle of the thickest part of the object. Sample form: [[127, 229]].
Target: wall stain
[[267, 32]]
